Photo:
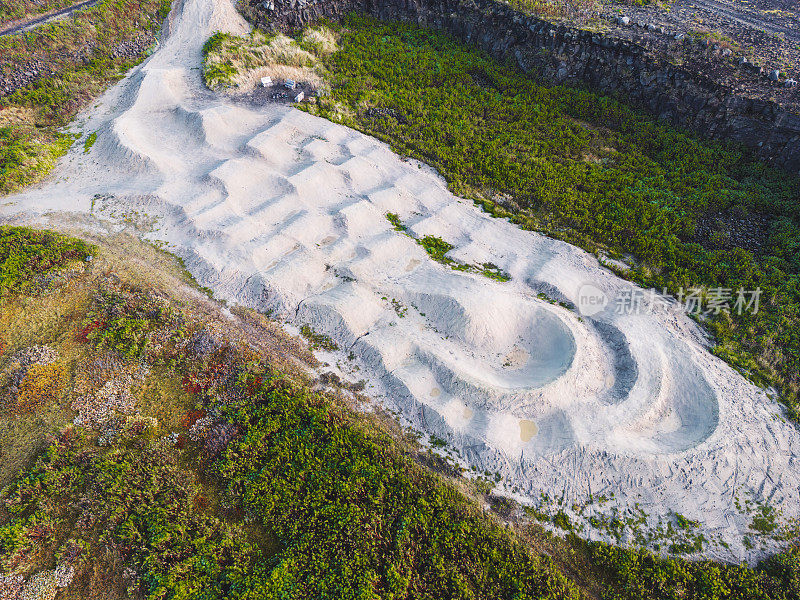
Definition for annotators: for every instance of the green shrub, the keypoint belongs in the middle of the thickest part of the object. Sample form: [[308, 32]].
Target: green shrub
[[29, 255], [355, 519], [89, 142], [641, 575], [79, 502], [436, 247], [318, 340], [124, 318], [24, 159], [216, 42]]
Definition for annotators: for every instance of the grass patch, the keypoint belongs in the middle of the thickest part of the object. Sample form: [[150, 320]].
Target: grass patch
[[396, 222], [557, 10], [15, 10], [27, 155], [90, 140], [765, 520], [437, 249], [318, 340], [29, 256], [231, 61]]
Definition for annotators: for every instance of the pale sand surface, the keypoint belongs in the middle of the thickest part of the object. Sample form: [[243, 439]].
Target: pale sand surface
[[285, 212]]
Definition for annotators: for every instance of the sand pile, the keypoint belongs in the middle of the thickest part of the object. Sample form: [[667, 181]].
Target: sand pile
[[282, 211]]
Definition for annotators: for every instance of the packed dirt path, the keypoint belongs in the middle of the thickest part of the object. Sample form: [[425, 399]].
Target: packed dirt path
[[285, 212], [749, 16], [34, 22]]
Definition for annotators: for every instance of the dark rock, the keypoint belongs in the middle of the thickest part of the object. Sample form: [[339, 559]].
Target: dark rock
[[685, 97]]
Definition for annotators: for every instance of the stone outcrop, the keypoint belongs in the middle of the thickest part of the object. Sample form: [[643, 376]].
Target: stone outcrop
[[21, 75], [569, 55]]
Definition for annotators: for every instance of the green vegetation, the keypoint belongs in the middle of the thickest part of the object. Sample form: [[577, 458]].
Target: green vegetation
[[399, 308], [30, 117], [589, 170], [318, 340], [89, 142], [437, 249], [245, 484], [561, 520], [396, 222], [23, 158], [640, 575], [764, 520], [14, 10], [492, 271], [125, 327], [722, 40], [356, 519], [29, 256], [133, 496], [556, 10], [220, 74], [231, 61]]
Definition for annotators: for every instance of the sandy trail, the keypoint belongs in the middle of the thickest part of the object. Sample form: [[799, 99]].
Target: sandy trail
[[285, 212]]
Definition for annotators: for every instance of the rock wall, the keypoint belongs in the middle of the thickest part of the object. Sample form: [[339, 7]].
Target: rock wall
[[563, 54]]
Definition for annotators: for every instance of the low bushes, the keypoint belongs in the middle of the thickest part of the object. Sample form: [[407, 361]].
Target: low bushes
[[354, 518], [640, 575], [28, 256], [124, 517], [26, 156]]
